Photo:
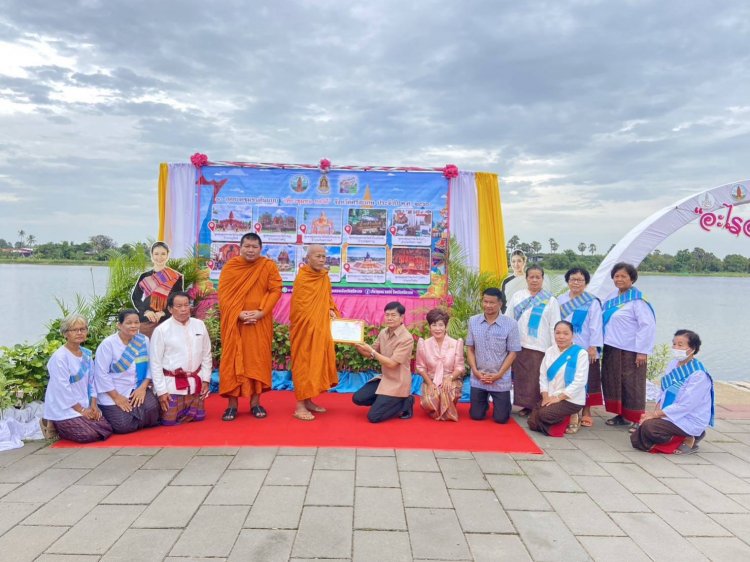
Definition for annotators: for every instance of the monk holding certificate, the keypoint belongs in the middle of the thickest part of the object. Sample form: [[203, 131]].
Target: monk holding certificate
[[313, 352]]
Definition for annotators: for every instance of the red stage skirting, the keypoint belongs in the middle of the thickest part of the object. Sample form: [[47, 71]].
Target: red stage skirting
[[344, 425]]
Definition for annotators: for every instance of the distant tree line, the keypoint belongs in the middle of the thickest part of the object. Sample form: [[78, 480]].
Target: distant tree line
[[685, 261], [95, 249]]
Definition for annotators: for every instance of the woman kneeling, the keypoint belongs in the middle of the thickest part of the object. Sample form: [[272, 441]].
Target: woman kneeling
[[70, 400], [123, 378], [562, 382], [686, 406]]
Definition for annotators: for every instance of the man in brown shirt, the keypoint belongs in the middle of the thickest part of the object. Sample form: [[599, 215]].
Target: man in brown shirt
[[389, 395]]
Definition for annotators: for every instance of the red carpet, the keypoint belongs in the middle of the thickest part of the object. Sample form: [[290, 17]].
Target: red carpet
[[344, 425]]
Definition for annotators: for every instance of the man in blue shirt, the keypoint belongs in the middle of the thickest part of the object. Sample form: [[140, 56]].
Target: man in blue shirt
[[492, 342]]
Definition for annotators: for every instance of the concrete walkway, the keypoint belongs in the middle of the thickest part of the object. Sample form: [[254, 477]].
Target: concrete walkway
[[589, 497]]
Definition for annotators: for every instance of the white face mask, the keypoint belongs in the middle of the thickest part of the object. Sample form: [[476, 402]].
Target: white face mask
[[680, 354]]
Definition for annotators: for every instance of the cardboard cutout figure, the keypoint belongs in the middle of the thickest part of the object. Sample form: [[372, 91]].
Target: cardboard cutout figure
[[153, 287]]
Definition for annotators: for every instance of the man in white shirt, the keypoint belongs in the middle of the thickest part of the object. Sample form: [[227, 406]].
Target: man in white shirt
[[180, 356]]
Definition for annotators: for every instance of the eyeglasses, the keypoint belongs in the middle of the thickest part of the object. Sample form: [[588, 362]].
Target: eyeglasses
[[78, 330], [574, 280]]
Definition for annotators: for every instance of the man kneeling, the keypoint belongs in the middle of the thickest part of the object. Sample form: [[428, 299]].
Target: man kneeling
[[389, 395], [181, 363]]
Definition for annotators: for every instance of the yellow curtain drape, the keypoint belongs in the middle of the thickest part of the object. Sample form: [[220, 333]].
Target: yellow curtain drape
[[163, 179], [491, 234]]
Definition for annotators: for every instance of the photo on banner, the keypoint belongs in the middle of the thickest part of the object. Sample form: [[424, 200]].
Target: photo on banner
[[385, 232]]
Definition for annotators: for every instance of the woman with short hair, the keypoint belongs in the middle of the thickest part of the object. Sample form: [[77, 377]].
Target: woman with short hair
[[584, 311], [123, 379], [686, 405], [629, 333], [70, 399], [440, 363], [536, 311]]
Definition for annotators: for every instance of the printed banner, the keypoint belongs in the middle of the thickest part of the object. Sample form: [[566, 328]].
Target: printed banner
[[386, 233]]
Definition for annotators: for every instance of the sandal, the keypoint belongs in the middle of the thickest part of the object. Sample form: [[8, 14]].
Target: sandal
[[258, 411], [524, 412], [303, 416], [574, 425], [617, 420], [230, 414], [633, 427], [317, 409], [685, 450], [587, 421]]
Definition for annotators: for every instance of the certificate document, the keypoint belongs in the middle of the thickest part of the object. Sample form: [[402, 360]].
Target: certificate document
[[348, 331]]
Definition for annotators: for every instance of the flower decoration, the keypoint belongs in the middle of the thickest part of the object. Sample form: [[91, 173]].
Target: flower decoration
[[450, 171], [325, 165], [199, 160]]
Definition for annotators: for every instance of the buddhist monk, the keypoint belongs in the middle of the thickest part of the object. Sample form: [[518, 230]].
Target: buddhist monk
[[249, 288], [313, 352]]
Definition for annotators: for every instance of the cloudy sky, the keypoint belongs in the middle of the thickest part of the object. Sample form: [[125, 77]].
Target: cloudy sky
[[595, 114]]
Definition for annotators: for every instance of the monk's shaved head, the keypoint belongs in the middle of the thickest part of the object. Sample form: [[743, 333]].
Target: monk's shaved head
[[316, 257], [312, 248]]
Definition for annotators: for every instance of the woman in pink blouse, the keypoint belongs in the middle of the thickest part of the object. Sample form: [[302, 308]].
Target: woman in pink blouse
[[440, 362]]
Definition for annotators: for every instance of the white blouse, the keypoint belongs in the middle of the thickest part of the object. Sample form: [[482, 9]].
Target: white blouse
[[62, 394], [546, 332], [109, 351], [576, 390]]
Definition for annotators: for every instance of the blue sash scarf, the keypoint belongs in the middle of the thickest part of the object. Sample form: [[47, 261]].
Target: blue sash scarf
[[673, 381], [579, 307], [615, 304], [136, 351], [569, 358], [85, 367], [538, 302]]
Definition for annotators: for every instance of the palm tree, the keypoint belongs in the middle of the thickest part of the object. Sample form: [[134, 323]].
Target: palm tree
[[582, 247], [536, 247], [553, 245], [22, 236], [513, 242], [592, 248], [31, 240]]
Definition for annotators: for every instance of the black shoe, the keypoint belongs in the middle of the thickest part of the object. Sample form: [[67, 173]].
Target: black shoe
[[409, 412]]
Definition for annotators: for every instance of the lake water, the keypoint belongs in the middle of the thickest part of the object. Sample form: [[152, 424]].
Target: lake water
[[715, 307]]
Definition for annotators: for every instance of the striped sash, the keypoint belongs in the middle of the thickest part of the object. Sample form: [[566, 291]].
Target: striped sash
[[538, 302], [579, 308], [569, 358], [674, 380], [136, 351], [85, 367], [615, 304]]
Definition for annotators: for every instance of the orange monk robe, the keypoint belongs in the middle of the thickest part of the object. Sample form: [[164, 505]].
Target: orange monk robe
[[313, 352], [245, 367]]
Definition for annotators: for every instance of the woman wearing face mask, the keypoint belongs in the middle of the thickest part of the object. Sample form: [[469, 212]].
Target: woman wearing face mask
[[686, 406], [562, 381], [536, 312]]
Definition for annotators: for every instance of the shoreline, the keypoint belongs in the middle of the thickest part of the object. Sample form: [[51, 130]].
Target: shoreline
[[25, 261]]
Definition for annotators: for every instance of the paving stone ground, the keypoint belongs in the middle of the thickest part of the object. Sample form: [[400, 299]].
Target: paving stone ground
[[588, 497]]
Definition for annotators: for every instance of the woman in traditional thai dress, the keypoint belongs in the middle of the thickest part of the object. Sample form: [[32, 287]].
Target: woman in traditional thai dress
[[123, 379], [562, 381], [584, 311], [70, 400], [536, 311], [686, 406], [153, 287], [629, 333], [440, 363]]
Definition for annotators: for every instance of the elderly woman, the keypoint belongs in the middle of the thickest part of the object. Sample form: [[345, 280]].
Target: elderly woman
[[123, 378], [70, 400], [536, 312], [584, 311], [440, 362], [562, 381], [629, 333], [686, 406], [154, 287]]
